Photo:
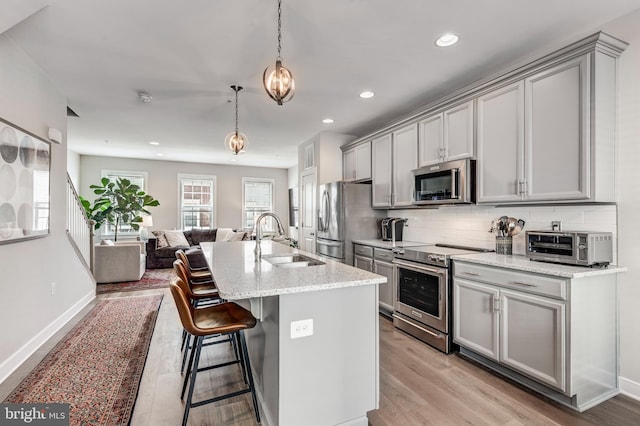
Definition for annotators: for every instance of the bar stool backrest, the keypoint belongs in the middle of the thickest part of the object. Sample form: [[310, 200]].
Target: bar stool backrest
[[185, 309]]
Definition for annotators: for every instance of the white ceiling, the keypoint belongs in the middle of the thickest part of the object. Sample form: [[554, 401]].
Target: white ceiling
[[186, 54]]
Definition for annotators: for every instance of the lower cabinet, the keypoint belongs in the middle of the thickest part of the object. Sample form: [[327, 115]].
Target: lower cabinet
[[523, 332], [382, 266], [379, 261], [554, 334]]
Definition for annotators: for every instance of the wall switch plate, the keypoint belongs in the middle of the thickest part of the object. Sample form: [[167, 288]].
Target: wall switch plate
[[53, 288], [302, 328]]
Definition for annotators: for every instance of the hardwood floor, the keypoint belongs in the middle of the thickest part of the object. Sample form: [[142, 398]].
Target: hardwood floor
[[419, 386]]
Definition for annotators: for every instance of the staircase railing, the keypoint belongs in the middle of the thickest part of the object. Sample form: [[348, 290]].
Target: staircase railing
[[79, 226]]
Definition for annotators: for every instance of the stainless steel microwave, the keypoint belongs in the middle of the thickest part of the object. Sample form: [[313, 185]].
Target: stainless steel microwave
[[573, 248], [445, 183]]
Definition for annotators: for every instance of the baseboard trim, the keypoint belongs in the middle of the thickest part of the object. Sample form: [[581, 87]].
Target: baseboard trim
[[629, 388], [22, 354]]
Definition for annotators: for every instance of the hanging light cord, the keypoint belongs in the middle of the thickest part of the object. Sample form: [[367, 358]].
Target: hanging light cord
[[279, 27], [235, 88]]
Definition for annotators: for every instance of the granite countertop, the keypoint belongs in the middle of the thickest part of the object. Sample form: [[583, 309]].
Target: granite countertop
[[522, 263], [389, 244], [238, 276]]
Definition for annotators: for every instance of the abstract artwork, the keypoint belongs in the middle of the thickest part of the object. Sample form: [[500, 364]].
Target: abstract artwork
[[24, 184]]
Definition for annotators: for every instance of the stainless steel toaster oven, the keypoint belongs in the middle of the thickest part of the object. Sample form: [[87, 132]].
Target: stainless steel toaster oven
[[583, 248]]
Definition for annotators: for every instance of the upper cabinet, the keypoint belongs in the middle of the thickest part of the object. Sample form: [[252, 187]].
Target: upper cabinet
[[357, 163], [447, 135], [405, 149], [500, 144], [381, 171], [393, 158], [543, 132], [549, 137]]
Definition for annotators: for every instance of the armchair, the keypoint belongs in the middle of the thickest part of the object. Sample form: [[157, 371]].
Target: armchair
[[122, 261]]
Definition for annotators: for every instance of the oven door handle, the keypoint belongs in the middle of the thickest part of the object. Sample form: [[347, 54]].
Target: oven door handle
[[436, 335], [418, 267]]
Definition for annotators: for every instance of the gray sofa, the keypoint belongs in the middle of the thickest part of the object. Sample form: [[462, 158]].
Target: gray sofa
[[163, 257]]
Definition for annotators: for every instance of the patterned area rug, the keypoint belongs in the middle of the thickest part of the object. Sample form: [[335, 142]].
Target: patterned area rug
[[152, 278], [97, 366]]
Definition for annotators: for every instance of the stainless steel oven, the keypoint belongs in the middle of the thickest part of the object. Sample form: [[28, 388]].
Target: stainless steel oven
[[422, 296], [424, 291]]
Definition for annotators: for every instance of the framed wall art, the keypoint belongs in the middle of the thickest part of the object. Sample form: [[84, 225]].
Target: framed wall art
[[25, 162]]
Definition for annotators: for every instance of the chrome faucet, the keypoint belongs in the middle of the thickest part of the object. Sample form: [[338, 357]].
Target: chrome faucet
[[258, 231]]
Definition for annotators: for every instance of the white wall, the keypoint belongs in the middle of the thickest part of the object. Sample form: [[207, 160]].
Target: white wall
[[73, 168], [29, 313], [163, 185], [628, 174]]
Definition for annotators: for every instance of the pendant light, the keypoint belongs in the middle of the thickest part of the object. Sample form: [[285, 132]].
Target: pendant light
[[236, 142], [279, 82]]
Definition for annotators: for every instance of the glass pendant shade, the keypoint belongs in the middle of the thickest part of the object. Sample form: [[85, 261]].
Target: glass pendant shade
[[279, 83], [236, 142]]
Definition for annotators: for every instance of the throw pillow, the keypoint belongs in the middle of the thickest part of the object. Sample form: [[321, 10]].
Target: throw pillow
[[161, 239], [106, 243], [176, 239], [236, 236], [224, 234]]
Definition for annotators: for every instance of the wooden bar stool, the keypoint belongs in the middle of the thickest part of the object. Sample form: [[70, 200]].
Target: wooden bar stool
[[226, 318]]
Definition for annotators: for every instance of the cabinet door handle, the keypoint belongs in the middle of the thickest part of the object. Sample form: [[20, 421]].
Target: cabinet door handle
[[496, 304], [473, 274], [524, 284]]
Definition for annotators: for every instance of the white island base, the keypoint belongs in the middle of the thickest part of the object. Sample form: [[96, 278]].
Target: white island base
[[330, 377]]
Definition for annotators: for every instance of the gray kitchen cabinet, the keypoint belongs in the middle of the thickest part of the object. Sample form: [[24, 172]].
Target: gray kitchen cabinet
[[382, 265], [381, 171], [362, 262], [447, 135], [524, 332], [357, 163], [405, 149], [393, 157], [540, 140], [500, 144], [553, 334], [379, 261]]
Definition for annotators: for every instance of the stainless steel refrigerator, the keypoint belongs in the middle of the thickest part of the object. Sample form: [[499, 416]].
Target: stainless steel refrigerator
[[344, 215]]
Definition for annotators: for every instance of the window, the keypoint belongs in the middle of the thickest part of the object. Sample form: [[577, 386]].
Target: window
[[257, 198], [136, 178], [197, 201]]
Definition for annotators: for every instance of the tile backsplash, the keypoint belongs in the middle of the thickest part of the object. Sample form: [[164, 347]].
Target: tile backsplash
[[469, 225]]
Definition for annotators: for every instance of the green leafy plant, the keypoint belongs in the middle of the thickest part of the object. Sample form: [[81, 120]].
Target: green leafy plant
[[118, 203]]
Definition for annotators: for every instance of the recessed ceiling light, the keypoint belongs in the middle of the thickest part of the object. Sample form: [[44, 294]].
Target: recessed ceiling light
[[367, 94], [327, 120], [159, 154], [446, 40], [154, 143]]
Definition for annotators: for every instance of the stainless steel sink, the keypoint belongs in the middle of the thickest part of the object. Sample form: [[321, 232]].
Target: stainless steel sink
[[291, 260]]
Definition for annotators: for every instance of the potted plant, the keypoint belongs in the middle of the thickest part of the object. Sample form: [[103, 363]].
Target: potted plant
[[119, 203]]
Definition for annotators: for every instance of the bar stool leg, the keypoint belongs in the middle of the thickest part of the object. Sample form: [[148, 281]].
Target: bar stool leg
[[191, 366], [194, 370], [243, 347]]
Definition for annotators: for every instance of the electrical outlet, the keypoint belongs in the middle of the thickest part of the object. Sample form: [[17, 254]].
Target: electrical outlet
[[302, 328], [53, 288], [556, 225]]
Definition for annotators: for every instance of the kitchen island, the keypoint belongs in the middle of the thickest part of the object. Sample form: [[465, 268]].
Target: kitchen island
[[329, 375]]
